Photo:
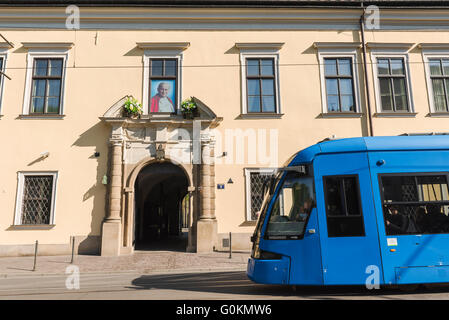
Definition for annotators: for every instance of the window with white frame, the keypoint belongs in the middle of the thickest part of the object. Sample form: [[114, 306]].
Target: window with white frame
[[261, 95], [162, 76], [2, 69], [45, 78], [390, 65], [36, 198], [256, 180], [439, 79], [260, 78], [4, 47], [392, 79], [339, 83], [339, 77]]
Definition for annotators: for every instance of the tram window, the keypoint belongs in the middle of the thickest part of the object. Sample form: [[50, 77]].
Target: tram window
[[343, 207], [291, 210], [415, 203]]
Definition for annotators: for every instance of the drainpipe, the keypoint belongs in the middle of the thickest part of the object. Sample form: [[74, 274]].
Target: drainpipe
[[368, 102]]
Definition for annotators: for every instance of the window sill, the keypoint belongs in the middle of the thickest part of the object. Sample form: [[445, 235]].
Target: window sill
[[340, 115], [438, 114], [261, 115], [42, 116], [395, 114], [248, 223], [32, 227]]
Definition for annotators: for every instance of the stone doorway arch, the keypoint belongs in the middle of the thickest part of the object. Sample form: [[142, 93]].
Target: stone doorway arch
[[137, 143]]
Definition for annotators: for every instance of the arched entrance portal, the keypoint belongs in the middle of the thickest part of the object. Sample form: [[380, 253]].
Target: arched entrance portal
[[161, 208]]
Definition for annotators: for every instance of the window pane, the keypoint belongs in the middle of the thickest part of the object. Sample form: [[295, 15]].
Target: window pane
[[435, 67], [438, 94], [252, 67], [257, 182], [39, 88], [156, 67], [36, 203], [170, 67], [330, 67], [347, 103], [400, 94], [55, 67], [344, 217], [333, 103], [52, 105], [37, 105], [253, 87], [254, 104], [268, 87], [382, 66], [293, 205], [344, 67], [345, 86], [445, 66], [40, 67], [331, 86], [1, 64], [397, 66], [267, 67], [269, 104], [401, 103], [386, 94], [54, 88], [415, 204]]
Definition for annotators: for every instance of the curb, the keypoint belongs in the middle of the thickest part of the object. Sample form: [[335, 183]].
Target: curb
[[139, 272]]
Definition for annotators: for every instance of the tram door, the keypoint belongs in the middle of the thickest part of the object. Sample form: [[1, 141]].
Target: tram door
[[348, 230]]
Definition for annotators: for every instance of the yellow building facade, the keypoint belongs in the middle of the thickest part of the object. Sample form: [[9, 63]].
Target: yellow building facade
[[267, 81]]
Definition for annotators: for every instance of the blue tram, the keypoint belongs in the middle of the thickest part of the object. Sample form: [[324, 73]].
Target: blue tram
[[343, 210]]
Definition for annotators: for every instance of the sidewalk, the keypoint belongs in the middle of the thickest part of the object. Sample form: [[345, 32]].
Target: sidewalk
[[144, 262]]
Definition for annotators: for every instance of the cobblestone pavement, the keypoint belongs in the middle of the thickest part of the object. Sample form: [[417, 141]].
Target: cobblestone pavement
[[140, 261]]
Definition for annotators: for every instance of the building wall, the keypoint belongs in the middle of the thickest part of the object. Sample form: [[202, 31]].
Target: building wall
[[105, 65]]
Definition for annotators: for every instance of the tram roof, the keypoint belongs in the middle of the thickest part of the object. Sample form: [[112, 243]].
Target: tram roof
[[380, 143]]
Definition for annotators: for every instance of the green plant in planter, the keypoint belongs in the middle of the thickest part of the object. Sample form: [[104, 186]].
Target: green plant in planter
[[189, 108], [132, 108]]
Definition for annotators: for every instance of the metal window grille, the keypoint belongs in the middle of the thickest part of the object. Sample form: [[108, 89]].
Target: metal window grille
[[37, 196], [257, 180]]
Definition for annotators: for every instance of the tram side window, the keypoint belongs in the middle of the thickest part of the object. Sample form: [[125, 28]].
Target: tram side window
[[343, 206], [415, 203]]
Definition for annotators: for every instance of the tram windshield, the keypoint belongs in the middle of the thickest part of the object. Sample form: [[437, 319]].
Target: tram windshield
[[292, 207]]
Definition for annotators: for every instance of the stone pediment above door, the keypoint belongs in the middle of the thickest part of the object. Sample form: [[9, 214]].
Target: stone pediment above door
[[205, 114]]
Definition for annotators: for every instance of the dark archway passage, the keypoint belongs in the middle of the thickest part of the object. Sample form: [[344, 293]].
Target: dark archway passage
[[160, 217]]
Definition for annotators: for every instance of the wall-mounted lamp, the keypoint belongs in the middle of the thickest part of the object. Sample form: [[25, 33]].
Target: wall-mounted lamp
[[45, 154], [230, 181], [96, 154], [104, 180]]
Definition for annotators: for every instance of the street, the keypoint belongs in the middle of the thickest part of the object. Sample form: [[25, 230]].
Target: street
[[217, 285]]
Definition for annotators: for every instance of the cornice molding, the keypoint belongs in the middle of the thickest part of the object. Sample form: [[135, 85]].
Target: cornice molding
[[434, 46], [47, 45], [160, 18], [389, 45], [337, 45], [180, 46], [5, 45], [275, 46]]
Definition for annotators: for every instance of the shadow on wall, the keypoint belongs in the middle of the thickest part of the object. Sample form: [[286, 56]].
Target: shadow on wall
[[96, 136]]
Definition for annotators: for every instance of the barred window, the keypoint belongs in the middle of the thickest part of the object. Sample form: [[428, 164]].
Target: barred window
[[36, 199], [256, 178]]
